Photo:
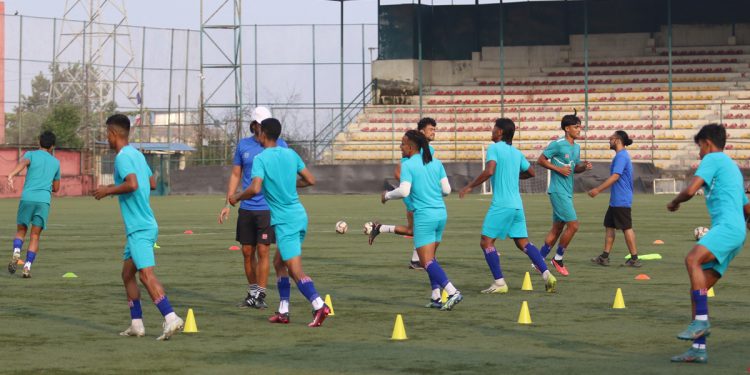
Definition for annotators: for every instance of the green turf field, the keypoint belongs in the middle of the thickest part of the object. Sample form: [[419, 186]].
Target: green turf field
[[56, 325]]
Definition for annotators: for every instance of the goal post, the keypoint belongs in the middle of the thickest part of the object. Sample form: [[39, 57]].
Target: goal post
[[665, 186]]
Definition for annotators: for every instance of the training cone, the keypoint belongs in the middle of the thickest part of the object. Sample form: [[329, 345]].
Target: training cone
[[642, 276], [330, 304], [156, 246], [524, 317], [658, 242], [188, 232], [70, 275], [190, 326], [619, 301], [234, 247], [444, 297], [527, 282], [399, 332], [711, 292]]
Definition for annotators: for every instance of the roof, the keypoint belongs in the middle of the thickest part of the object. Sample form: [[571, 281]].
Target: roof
[[157, 146]]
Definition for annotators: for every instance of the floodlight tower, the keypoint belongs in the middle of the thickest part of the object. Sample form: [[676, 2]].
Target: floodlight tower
[[95, 35]]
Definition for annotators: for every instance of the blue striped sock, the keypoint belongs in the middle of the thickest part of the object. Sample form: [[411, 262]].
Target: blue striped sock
[[17, 243], [493, 261], [307, 288], [560, 250], [163, 305], [285, 288], [545, 250], [700, 296], [533, 253], [30, 256], [135, 309], [436, 273]]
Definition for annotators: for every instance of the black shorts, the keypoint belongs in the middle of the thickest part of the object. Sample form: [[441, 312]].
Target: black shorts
[[618, 218], [254, 227]]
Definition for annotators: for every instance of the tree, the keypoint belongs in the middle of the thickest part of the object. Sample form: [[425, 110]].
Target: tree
[[65, 113]]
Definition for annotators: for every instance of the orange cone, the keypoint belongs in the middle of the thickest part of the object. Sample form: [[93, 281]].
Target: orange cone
[[642, 276]]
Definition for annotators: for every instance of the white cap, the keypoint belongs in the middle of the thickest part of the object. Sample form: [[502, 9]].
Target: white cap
[[259, 114]]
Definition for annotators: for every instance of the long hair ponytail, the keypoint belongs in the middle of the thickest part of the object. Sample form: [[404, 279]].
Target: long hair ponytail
[[422, 143]]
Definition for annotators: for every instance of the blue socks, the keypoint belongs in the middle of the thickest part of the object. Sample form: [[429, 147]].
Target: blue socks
[[30, 256], [307, 288], [560, 250], [545, 250], [163, 305], [533, 253], [700, 297], [17, 244], [282, 283], [436, 273], [493, 260], [135, 309]]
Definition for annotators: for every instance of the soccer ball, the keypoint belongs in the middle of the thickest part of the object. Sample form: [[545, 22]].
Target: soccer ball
[[368, 228], [699, 232], [341, 227]]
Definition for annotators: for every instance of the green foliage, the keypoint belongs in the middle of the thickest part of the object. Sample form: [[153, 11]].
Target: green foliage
[[64, 120]]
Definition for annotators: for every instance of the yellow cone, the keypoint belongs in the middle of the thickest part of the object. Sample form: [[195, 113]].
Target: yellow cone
[[527, 282], [524, 317], [399, 332], [190, 326], [444, 297], [330, 304], [711, 292], [619, 301]]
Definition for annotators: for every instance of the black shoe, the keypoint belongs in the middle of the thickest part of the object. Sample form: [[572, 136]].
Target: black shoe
[[415, 265], [248, 301], [260, 301], [374, 232]]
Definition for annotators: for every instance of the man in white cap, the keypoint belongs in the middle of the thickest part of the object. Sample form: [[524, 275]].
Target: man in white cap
[[254, 230]]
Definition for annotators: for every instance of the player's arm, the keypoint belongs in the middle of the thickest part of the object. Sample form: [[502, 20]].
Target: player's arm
[[488, 171], [527, 174], [402, 191], [606, 184], [583, 167], [152, 182], [248, 193], [55, 186], [234, 181], [305, 178], [544, 162], [746, 208], [686, 194], [23, 163], [397, 171], [129, 185]]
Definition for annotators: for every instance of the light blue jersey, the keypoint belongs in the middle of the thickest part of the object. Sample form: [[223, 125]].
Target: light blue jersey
[[561, 153], [725, 198], [510, 163], [407, 200], [426, 192], [244, 155], [134, 206], [42, 171], [278, 167], [725, 192]]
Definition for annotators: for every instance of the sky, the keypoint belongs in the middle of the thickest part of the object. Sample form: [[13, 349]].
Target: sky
[[151, 12]]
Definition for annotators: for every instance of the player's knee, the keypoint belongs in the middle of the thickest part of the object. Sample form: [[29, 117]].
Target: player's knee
[[573, 226], [146, 276], [485, 243]]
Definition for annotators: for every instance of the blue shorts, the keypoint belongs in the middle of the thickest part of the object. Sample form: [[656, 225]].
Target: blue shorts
[[724, 243], [428, 230], [32, 213], [140, 248], [562, 208], [289, 238], [504, 222]]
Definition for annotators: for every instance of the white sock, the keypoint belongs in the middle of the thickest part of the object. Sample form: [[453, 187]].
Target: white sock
[[16, 251], [436, 294], [500, 281], [558, 257], [699, 346], [27, 265], [284, 307], [450, 289], [701, 317], [414, 256], [387, 228], [170, 317], [252, 289], [545, 275], [137, 324], [317, 303]]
